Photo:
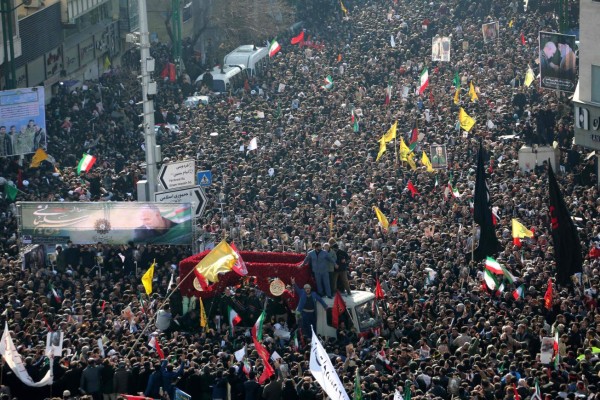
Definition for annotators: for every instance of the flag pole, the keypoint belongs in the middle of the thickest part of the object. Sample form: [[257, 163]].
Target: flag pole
[[153, 317], [395, 151]]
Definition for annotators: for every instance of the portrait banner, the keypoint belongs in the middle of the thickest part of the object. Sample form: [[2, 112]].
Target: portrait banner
[[22, 121], [109, 223], [440, 49], [558, 61], [490, 31], [439, 157]]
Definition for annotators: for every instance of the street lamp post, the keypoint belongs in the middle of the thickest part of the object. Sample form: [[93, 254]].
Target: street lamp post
[[148, 89]]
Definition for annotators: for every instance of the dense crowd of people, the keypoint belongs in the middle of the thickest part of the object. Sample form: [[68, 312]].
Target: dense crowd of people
[[314, 178]]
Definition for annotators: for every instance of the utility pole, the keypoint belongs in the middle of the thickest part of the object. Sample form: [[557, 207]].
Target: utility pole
[[148, 89], [176, 23], [10, 74]]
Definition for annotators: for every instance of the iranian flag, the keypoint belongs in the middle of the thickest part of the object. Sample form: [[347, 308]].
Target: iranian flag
[[154, 343], [234, 318], [261, 350], [490, 280], [519, 292], [274, 48], [295, 344], [257, 329], [454, 191], [424, 81], [55, 294], [86, 163], [493, 266], [388, 94]]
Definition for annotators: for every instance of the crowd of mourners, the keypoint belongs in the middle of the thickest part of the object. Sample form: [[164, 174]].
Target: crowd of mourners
[[315, 178]]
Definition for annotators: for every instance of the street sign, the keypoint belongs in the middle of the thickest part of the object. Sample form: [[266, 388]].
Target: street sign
[[204, 178], [176, 175], [194, 195]]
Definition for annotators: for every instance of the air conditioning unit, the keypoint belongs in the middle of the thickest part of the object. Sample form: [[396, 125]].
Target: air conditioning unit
[[32, 3]]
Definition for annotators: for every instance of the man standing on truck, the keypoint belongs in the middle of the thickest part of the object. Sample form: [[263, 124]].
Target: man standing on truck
[[319, 261], [307, 307]]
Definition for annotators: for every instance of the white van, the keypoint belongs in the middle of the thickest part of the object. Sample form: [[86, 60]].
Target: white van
[[227, 78], [254, 58], [362, 310]]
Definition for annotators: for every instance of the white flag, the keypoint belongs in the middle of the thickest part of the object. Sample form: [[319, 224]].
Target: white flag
[[392, 41], [240, 354], [253, 145], [323, 371], [398, 395], [101, 347], [14, 361], [275, 356]]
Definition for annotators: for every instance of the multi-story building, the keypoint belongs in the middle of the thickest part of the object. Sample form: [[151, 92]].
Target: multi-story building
[[587, 94], [65, 41]]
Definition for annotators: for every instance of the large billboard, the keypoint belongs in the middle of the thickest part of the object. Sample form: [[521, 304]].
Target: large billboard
[[558, 61], [110, 223], [22, 121]]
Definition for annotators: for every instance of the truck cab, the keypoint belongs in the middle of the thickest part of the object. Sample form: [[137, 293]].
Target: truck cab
[[362, 313]]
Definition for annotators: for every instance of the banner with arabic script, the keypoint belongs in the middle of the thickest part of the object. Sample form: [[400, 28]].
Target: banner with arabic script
[[109, 223]]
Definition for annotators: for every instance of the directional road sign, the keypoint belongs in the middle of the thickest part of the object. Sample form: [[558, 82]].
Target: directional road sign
[[177, 175], [194, 195], [204, 178]]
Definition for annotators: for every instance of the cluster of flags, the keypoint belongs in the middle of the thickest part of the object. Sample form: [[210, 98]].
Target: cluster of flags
[[496, 275]]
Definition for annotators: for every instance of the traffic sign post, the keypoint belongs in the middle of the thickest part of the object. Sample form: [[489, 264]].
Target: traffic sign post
[[178, 175], [194, 195], [204, 178]]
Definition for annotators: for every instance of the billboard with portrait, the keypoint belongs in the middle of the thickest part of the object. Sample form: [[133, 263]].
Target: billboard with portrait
[[109, 223], [440, 48], [439, 157], [22, 121], [558, 61], [490, 31]]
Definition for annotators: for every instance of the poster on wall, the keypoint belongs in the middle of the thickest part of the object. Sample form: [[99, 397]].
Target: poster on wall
[[22, 121], [558, 61], [110, 223]]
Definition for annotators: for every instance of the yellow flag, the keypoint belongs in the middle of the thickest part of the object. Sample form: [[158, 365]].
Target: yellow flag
[[426, 162], [466, 122], [510, 24], [203, 319], [147, 278], [472, 92], [39, 156], [529, 77], [344, 9], [404, 150], [106, 63], [382, 219], [391, 133], [381, 149], [221, 259], [519, 230], [457, 96], [410, 159]]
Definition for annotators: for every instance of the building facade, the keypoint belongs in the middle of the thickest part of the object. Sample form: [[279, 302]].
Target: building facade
[[586, 99]]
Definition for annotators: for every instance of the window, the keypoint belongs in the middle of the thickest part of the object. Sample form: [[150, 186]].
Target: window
[[596, 83]]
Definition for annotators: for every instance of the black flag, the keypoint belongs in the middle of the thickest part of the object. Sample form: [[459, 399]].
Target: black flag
[[482, 213], [567, 247]]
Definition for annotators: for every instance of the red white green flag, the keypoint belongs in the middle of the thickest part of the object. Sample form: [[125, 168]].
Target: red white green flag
[[493, 266], [424, 80], [86, 163], [518, 293], [274, 48], [234, 318]]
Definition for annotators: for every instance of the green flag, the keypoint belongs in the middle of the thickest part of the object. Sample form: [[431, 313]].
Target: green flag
[[456, 80], [357, 389], [10, 191], [407, 392]]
